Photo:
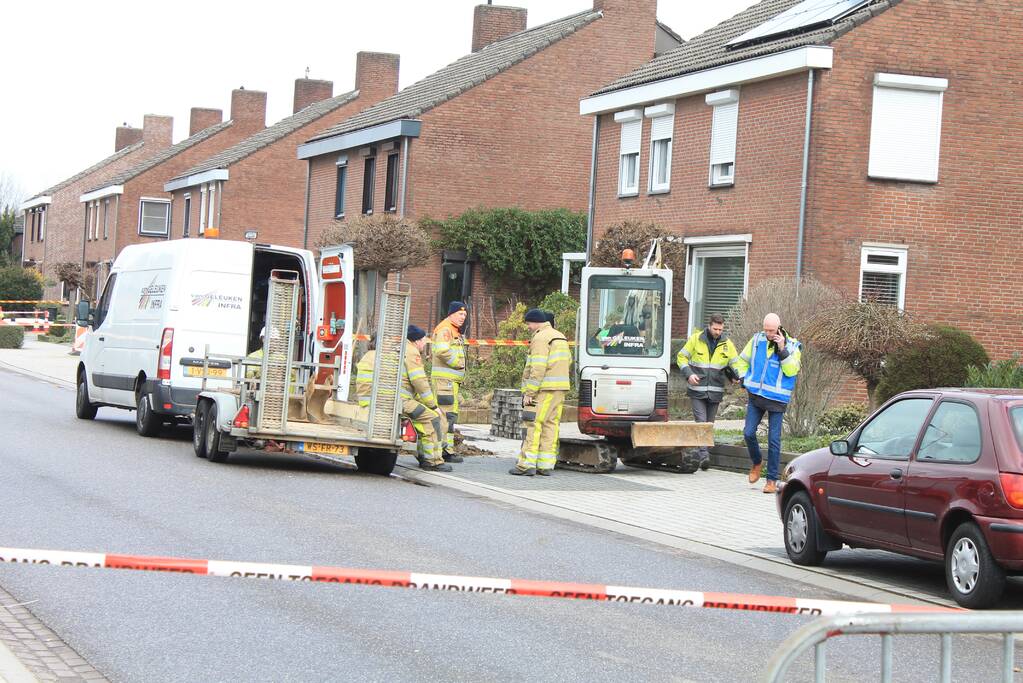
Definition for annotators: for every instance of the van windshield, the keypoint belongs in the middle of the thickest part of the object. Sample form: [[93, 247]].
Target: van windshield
[[625, 316], [1017, 422]]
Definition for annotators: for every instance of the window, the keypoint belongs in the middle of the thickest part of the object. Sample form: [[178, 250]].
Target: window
[[339, 191], [883, 275], [104, 301], [892, 434], [724, 128], [1017, 422], [626, 316], [715, 281], [42, 225], [628, 164], [202, 209], [905, 127], [88, 217], [391, 189], [186, 219], [368, 179], [106, 218], [953, 434], [662, 123], [153, 216], [211, 199]]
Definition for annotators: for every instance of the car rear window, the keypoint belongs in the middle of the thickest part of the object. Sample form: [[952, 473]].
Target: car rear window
[[1017, 422]]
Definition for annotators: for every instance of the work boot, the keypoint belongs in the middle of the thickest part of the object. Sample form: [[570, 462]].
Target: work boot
[[771, 486], [452, 457], [435, 467], [754, 473], [544, 473], [704, 461], [522, 473]]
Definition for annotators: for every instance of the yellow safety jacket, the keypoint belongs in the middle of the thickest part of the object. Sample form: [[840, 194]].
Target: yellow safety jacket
[[695, 358], [415, 385], [364, 378], [548, 363], [448, 352]]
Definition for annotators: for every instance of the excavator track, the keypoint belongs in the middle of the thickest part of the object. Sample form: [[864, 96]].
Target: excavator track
[[681, 460], [587, 455]]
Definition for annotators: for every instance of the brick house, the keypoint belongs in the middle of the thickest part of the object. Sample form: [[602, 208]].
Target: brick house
[[892, 116], [132, 207], [498, 127], [260, 183], [52, 218]]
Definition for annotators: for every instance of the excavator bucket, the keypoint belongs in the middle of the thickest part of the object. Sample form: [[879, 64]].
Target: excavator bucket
[[316, 397], [672, 434]]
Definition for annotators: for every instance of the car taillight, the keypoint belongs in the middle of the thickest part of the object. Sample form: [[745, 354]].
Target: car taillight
[[241, 420], [166, 347], [1012, 487]]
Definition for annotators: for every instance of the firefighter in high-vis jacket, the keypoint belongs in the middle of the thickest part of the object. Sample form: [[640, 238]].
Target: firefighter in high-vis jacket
[[419, 404], [448, 370], [364, 377], [544, 385]]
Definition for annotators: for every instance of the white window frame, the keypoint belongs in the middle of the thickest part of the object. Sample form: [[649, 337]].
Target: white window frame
[[211, 199], [909, 149], [186, 218], [166, 223], [724, 131], [662, 125], [202, 209], [106, 218], [712, 245], [630, 120], [901, 252]]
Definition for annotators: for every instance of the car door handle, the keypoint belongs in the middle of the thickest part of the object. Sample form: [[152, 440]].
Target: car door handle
[[102, 338], [896, 473]]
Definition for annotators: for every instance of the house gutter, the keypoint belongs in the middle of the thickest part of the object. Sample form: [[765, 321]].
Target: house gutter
[[593, 188], [805, 183]]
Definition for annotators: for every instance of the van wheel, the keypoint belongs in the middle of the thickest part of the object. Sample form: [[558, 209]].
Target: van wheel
[[376, 461], [199, 428], [147, 423], [213, 452], [84, 408], [801, 532], [973, 577]]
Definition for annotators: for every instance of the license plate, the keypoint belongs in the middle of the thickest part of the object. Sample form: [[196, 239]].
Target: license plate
[[325, 448], [210, 372]]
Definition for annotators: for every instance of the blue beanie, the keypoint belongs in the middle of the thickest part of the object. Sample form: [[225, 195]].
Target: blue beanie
[[550, 316], [535, 315], [414, 333], [455, 307]]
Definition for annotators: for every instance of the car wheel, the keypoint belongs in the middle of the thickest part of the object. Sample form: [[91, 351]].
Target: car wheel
[[376, 461], [199, 428], [147, 423], [801, 531], [84, 408], [973, 577], [213, 452]]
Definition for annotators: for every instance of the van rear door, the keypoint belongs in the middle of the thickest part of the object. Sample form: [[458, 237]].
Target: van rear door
[[211, 309], [335, 316]]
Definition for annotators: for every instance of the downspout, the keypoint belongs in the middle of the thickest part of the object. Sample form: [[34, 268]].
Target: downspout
[[593, 189], [305, 216], [404, 176], [806, 167]]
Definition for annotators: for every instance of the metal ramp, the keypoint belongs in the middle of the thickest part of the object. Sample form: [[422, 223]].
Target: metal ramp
[[385, 402], [274, 389]]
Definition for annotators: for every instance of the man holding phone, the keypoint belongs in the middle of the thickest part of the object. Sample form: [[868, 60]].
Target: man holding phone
[[768, 365]]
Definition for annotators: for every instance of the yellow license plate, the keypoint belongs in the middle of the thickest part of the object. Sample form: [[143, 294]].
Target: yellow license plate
[[325, 448], [210, 372]]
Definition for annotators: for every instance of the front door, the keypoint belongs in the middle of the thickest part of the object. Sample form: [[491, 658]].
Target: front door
[[456, 285], [94, 355], [866, 490]]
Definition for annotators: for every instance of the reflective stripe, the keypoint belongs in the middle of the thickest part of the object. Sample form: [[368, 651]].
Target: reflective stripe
[[447, 373], [364, 403], [685, 352], [792, 359], [712, 366]]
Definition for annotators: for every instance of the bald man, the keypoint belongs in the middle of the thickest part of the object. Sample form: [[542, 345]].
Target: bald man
[[768, 365]]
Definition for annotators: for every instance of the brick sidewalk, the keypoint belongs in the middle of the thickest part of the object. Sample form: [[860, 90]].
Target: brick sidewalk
[[44, 360]]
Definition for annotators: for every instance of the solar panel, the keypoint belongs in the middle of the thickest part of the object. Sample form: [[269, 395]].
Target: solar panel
[[800, 17]]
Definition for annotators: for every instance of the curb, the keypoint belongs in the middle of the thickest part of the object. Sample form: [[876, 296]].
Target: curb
[[63, 383]]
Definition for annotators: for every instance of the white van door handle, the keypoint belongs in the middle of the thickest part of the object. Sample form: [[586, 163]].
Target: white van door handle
[[102, 338]]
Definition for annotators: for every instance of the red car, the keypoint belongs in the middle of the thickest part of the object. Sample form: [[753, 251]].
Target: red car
[[937, 474]]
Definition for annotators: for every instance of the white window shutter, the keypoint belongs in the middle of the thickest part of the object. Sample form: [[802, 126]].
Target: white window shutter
[[905, 134], [722, 137], [661, 127], [631, 133]]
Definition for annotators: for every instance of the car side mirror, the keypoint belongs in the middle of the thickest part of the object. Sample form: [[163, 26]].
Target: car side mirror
[[840, 447], [84, 314]]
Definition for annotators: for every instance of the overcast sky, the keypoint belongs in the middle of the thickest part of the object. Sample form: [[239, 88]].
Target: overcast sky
[[71, 72]]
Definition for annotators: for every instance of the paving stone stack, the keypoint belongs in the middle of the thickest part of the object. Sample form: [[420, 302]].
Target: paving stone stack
[[506, 414]]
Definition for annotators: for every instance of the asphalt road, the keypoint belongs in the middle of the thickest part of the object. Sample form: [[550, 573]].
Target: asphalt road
[[97, 486]]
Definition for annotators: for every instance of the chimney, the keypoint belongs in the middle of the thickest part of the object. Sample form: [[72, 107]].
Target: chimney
[[202, 118], [377, 72], [490, 23], [158, 130], [310, 91], [126, 135], [248, 108]]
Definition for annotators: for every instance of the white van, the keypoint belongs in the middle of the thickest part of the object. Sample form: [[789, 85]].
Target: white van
[[164, 303]]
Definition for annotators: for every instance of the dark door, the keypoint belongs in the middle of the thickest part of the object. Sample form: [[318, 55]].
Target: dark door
[[456, 285], [866, 490]]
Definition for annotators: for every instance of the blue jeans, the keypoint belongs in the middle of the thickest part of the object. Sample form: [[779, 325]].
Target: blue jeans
[[753, 417]]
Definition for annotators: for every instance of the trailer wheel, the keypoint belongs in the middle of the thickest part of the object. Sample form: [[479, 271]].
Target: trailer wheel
[[213, 452], [202, 409], [147, 423], [376, 461]]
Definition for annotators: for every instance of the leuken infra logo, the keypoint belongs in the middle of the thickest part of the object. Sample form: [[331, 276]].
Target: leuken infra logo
[[151, 296]]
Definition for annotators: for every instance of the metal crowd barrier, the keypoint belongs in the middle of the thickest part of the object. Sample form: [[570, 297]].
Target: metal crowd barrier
[[817, 634]]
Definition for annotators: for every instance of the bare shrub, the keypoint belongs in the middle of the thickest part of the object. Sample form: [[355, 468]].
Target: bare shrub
[[637, 235], [383, 242], [821, 374]]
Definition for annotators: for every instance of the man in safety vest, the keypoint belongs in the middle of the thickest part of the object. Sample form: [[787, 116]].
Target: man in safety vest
[[769, 364], [705, 361], [419, 404], [448, 358], [364, 376], [544, 385]]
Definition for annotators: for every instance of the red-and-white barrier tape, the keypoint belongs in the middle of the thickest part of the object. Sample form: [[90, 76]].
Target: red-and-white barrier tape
[[444, 582], [473, 342]]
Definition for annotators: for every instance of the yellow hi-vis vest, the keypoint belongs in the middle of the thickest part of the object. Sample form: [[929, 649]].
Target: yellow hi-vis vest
[[548, 363], [447, 352]]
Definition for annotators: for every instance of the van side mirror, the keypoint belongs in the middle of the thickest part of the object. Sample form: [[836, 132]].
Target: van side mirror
[[840, 447], [84, 314]]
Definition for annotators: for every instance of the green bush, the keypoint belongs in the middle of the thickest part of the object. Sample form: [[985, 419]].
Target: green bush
[[842, 420], [565, 310], [1003, 374], [940, 359], [18, 283], [503, 368], [11, 337]]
